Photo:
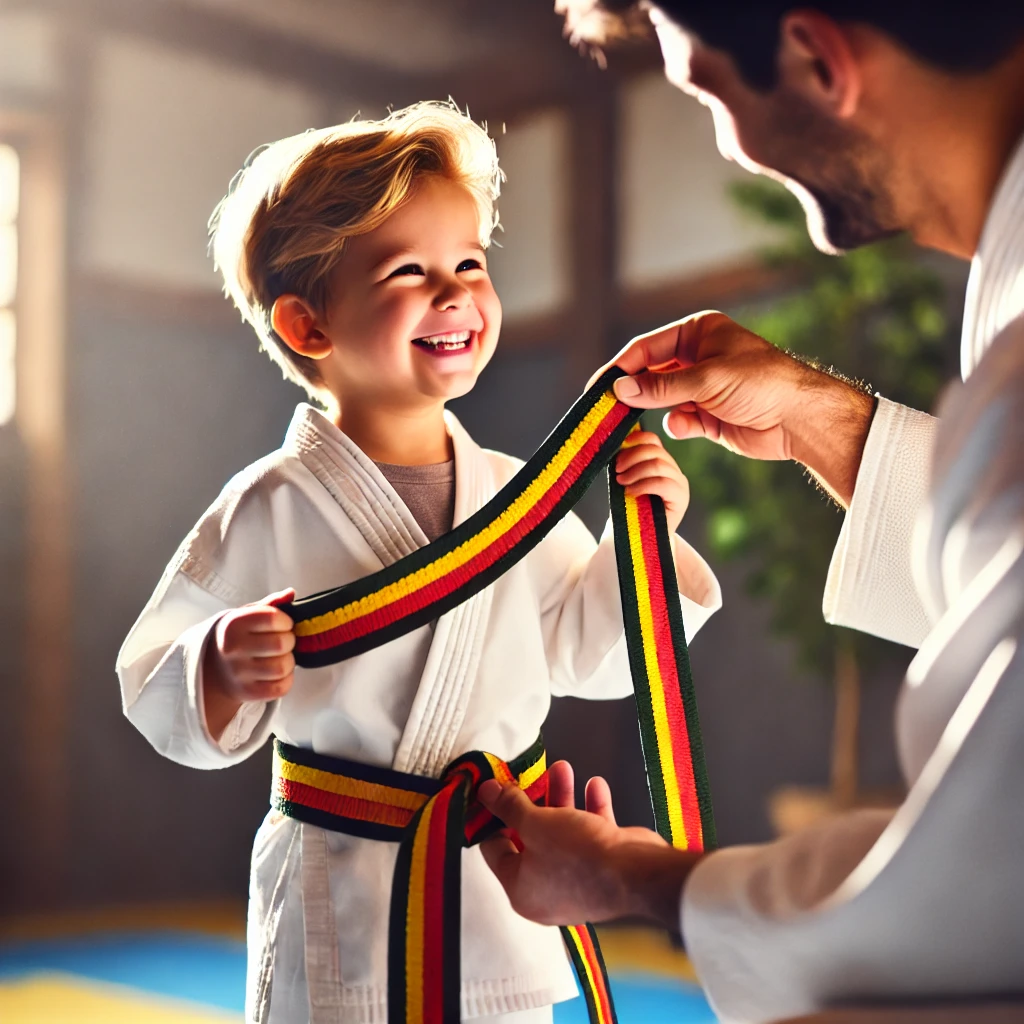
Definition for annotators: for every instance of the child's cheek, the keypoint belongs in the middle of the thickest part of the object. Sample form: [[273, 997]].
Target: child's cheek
[[490, 308]]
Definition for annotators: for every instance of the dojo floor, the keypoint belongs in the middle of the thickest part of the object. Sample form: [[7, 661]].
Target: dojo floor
[[181, 966]]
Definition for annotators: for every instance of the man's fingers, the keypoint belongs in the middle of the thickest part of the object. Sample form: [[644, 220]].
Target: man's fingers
[[561, 785], [509, 803], [659, 348], [502, 858], [660, 390], [655, 349], [599, 799], [684, 424]]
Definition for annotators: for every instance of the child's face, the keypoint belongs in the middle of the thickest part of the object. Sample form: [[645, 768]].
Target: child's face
[[413, 317]]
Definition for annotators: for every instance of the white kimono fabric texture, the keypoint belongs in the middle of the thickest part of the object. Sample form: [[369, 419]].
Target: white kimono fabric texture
[[929, 902], [316, 514]]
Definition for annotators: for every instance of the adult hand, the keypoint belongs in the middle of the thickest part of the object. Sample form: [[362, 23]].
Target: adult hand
[[576, 866], [725, 383]]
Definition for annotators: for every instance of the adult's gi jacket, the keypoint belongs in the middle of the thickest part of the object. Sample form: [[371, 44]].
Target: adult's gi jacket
[[927, 902]]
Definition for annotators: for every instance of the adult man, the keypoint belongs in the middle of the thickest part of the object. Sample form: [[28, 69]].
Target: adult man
[[882, 118]]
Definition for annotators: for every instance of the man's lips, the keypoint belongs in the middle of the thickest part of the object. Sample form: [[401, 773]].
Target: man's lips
[[450, 342]]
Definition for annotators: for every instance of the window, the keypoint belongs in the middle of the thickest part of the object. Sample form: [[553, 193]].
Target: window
[[9, 197]]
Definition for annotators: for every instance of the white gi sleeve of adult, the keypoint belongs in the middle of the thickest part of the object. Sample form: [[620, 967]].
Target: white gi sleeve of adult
[[870, 586], [927, 904], [582, 611], [160, 668], [923, 905]]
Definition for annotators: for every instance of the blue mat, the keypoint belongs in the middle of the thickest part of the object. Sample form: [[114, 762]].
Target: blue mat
[[646, 999], [211, 972], [195, 967]]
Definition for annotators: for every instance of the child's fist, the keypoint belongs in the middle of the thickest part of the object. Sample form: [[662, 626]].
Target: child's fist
[[644, 467], [249, 657]]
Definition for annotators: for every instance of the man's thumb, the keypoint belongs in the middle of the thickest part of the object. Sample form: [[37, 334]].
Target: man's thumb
[[653, 390], [508, 803]]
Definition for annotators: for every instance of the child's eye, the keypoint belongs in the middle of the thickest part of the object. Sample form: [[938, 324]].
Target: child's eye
[[409, 268], [468, 265]]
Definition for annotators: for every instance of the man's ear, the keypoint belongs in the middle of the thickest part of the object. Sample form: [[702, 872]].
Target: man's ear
[[817, 60], [297, 325]]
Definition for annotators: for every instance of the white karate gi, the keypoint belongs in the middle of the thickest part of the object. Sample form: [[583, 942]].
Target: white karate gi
[[316, 514], [929, 902]]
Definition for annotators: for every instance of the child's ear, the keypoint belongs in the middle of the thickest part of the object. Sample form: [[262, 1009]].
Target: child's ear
[[296, 325]]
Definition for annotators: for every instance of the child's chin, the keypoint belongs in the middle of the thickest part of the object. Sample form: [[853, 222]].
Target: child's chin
[[447, 386], [460, 384]]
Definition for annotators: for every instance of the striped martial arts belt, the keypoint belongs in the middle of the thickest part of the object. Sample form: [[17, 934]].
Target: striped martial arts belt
[[359, 616], [432, 820]]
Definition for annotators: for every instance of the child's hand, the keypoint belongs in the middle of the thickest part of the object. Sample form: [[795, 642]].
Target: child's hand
[[248, 658], [644, 467]]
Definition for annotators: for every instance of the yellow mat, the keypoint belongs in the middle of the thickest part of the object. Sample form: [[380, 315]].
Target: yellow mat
[[61, 999]]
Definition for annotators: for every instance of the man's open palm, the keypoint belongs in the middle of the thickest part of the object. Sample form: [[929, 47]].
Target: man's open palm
[[567, 870]]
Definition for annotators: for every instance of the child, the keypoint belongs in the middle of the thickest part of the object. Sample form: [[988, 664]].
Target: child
[[358, 253]]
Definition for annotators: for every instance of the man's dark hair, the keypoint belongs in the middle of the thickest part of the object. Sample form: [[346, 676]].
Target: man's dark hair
[[953, 35]]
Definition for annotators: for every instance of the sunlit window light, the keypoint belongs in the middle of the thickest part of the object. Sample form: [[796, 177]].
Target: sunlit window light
[[7, 374], [9, 182], [8, 264], [10, 178]]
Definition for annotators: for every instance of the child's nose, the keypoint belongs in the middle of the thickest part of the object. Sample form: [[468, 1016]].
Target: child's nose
[[453, 296]]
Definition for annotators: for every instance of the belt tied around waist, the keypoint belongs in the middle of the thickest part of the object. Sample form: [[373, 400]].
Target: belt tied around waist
[[366, 613], [432, 820]]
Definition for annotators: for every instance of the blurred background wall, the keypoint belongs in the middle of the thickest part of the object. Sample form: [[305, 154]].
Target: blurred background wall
[[138, 392]]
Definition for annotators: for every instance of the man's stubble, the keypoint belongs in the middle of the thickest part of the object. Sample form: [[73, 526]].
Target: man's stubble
[[842, 178]]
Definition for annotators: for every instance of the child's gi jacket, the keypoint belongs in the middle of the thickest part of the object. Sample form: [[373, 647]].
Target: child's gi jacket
[[315, 514]]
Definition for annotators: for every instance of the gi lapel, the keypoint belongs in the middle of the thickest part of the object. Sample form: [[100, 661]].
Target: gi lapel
[[392, 532], [357, 485], [439, 707]]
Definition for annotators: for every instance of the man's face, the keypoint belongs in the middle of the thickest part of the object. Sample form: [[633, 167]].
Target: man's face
[[841, 177]]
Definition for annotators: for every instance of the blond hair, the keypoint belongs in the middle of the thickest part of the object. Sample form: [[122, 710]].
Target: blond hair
[[282, 227]]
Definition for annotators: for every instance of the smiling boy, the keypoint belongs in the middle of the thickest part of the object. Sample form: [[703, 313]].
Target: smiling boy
[[358, 253]]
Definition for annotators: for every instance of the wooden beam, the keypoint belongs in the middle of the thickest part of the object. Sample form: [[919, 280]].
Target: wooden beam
[[517, 82], [534, 67], [223, 37], [640, 309]]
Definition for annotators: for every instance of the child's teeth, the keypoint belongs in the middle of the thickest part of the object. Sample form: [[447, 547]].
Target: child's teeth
[[455, 339]]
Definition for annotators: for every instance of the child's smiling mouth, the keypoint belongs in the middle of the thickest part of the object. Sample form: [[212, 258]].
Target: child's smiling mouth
[[442, 344]]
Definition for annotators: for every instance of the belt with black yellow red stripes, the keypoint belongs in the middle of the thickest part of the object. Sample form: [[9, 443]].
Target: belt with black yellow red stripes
[[432, 820], [359, 616]]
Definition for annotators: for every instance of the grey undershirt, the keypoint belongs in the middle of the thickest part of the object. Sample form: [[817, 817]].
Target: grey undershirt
[[428, 492]]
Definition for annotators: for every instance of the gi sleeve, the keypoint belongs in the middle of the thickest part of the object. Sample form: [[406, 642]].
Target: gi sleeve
[[160, 668], [160, 665], [927, 903], [870, 586], [581, 610]]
